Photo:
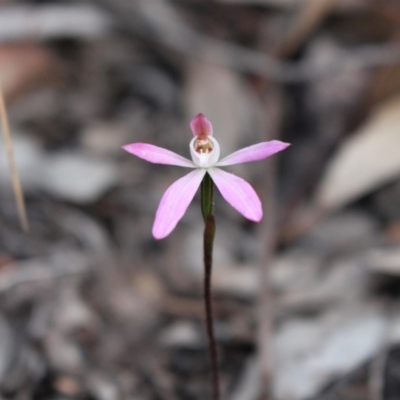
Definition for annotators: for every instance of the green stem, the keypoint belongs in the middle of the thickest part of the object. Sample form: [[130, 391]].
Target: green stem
[[209, 234], [207, 197]]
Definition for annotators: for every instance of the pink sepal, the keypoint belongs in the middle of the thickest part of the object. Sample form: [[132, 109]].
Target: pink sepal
[[175, 202], [157, 155], [238, 193], [253, 153]]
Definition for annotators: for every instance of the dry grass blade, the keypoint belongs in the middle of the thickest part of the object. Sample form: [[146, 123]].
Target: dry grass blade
[[18, 193]]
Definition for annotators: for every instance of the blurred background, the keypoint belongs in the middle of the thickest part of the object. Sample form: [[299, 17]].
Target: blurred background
[[306, 302]]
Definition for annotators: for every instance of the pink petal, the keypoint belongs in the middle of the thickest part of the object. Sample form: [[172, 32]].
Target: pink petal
[[238, 193], [254, 153], [157, 155], [175, 202], [201, 126]]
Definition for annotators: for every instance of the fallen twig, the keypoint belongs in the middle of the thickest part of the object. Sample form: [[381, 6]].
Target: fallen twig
[[18, 193]]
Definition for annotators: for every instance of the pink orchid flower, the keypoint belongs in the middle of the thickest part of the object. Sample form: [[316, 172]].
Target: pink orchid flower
[[205, 152]]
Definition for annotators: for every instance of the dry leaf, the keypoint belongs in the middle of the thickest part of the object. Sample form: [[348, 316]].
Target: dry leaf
[[53, 21], [74, 176], [23, 66], [385, 260], [310, 352], [366, 161]]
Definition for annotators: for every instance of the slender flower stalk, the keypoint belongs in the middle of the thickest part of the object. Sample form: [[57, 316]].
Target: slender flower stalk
[[207, 205], [205, 152]]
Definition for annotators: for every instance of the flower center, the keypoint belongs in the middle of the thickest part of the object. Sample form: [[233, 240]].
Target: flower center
[[203, 145], [204, 151]]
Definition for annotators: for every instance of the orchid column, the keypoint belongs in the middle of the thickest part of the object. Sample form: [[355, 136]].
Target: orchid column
[[205, 152]]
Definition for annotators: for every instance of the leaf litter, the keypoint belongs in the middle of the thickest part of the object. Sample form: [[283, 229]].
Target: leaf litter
[[92, 307]]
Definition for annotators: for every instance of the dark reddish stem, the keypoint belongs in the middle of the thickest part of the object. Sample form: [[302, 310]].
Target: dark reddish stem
[[209, 234]]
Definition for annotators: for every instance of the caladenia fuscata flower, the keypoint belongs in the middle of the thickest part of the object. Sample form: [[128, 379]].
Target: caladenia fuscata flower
[[205, 152]]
